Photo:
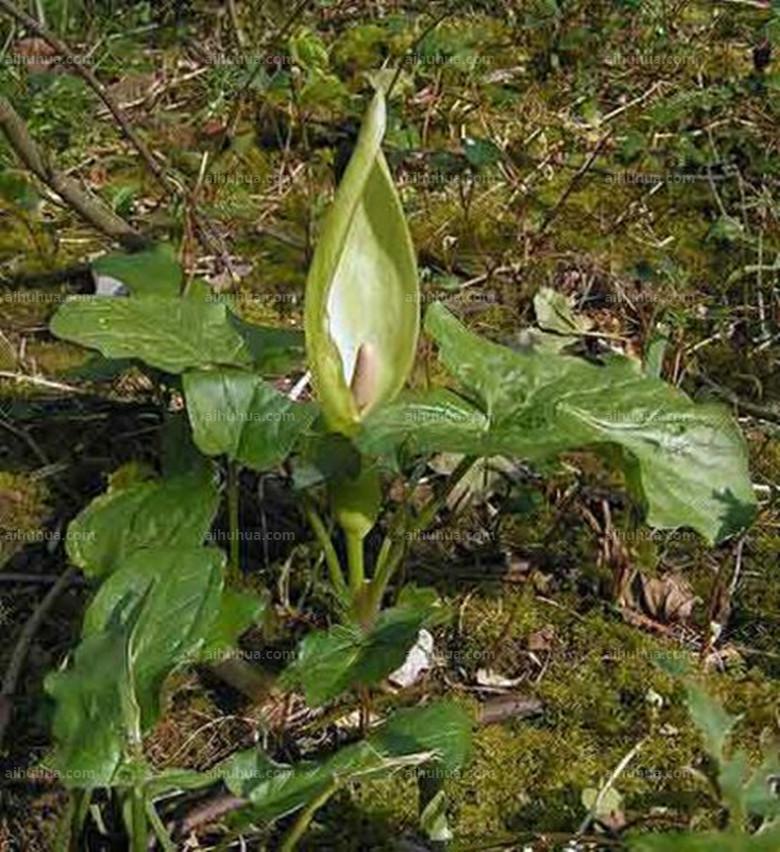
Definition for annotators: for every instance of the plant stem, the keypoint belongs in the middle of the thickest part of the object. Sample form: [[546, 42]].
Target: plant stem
[[331, 557], [305, 817], [159, 829], [357, 574], [392, 553], [138, 821], [234, 569]]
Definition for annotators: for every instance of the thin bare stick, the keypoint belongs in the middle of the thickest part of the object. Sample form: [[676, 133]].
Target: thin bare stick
[[87, 206], [574, 183], [92, 81], [19, 654], [43, 383]]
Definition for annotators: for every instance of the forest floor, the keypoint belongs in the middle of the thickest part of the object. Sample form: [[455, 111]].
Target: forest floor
[[623, 153]]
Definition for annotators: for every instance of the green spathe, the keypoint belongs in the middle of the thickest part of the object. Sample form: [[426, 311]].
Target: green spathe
[[362, 295]]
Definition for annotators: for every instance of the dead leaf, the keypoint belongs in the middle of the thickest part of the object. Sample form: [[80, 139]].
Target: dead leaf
[[418, 661], [668, 599], [542, 640], [505, 707], [35, 55], [494, 680]]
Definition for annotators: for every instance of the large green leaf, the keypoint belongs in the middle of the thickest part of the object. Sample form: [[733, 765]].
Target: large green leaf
[[96, 715], [181, 589], [362, 296], [238, 414], [238, 611], [345, 656], [439, 735], [274, 351], [154, 272], [150, 616], [687, 462], [169, 333], [174, 512]]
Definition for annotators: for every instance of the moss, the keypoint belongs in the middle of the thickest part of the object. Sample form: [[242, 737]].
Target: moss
[[23, 508], [595, 684]]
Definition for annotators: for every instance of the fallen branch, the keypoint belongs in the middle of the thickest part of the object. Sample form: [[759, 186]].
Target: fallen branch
[[92, 81], [23, 643], [87, 206]]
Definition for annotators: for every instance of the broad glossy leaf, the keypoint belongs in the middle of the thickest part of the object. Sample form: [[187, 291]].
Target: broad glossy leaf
[[688, 462], [362, 297], [154, 272], [439, 734], [238, 414], [96, 714], [169, 333], [175, 512], [181, 592], [443, 727], [333, 661], [274, 351]]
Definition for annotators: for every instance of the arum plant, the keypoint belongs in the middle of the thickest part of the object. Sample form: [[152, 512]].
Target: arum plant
[[142, 542], [361, 324]]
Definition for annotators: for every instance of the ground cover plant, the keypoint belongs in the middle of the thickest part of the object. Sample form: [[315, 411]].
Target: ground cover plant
[[388, 437]]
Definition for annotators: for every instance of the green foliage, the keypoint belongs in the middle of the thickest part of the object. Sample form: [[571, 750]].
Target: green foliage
[[169, 333], [148, 618], [181, 589], [155, 272], [687, 462], [437, 735], [238, 611], [96, 718], [162, 604], [348, 656], [748, 793], [239, 415], [174, 512]]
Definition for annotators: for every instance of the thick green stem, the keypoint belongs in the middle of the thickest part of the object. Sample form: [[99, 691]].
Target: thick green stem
[[234, 570], [386, 568], [357, 574], [138, 830], [305, 817]]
